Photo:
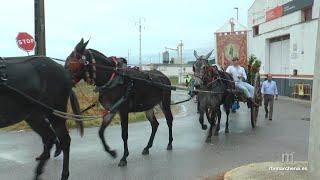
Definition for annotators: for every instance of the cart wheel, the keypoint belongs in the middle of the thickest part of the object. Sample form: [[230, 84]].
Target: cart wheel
[[257, 99]]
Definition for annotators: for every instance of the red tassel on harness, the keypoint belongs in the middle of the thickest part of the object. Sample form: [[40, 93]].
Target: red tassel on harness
[[105, 113]]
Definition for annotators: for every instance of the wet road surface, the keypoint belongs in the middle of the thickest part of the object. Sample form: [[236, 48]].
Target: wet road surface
[[191, 157]]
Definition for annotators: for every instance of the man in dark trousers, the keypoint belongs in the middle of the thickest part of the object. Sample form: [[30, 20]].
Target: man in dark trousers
[[269, 91]]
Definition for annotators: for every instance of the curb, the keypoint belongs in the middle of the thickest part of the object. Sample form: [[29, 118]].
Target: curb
[[286, 98], [262, 170]]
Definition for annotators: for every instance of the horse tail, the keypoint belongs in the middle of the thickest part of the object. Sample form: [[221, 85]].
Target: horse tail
[[76, 110]]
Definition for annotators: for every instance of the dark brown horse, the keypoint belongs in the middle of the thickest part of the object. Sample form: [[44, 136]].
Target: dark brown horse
[[122, 90], [47, 82]]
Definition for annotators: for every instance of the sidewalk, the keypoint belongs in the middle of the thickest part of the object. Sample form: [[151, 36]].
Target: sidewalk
[[296, 100]]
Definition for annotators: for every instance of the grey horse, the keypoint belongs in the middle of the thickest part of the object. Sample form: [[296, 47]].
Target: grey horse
[[218, 82]]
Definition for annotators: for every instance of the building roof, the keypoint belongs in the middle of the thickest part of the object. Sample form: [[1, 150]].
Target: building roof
[[228, 26]]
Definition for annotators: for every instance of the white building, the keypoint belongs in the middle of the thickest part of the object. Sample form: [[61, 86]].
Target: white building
[[172, 70], [282, 34]]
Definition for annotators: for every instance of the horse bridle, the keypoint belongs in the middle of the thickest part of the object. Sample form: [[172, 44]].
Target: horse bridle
[[81, 59], [90, 76]]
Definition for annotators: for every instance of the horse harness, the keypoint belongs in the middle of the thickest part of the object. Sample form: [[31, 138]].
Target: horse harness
[[112, 82], [3, 67]]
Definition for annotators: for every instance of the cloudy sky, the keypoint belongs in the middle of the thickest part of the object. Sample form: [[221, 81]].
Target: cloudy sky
[[111, 24]]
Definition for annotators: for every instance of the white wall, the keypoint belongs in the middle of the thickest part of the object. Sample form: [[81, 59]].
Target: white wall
[[170, 70], [302, 39]]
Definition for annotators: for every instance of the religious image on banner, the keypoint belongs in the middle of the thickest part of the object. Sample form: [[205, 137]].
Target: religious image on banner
[[231, 51]]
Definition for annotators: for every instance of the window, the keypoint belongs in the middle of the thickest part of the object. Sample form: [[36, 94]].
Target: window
[[255, 30], [307, 14]]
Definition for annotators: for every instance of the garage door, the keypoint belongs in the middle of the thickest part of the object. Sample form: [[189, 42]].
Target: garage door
[[279, 53]]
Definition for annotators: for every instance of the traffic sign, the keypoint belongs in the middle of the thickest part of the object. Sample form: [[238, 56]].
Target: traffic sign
[[25, 41]]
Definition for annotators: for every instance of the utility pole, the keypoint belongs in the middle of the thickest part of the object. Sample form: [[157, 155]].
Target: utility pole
[[140, 41], [236, 8], [180, 46], [128, 55], [39, 27]]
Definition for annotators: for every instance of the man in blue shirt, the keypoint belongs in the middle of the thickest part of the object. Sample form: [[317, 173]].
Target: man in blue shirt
[[269, 90]]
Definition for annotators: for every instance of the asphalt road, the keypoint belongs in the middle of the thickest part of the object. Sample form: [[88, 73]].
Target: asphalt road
[[191, 157]]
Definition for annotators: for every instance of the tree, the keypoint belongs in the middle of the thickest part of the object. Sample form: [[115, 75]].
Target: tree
[[253, 67]]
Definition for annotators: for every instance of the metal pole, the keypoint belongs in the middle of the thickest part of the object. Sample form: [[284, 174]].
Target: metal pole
[[236, 8], [128, 56], [140, 63], [39, 18], [181, 63]]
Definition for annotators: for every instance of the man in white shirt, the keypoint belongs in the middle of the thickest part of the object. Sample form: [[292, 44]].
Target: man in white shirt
[[269, 90], [239, 76]]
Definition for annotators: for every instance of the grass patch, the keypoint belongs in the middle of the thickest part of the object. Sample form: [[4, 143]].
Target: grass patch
[[174, 80]]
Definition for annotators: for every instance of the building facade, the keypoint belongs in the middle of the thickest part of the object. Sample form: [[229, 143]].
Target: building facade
[[282, 34]]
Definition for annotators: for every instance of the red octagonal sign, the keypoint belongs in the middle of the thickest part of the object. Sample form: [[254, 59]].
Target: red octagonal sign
[[25, 41]]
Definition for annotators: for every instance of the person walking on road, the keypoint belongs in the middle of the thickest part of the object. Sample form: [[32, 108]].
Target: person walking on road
[[269, 92]]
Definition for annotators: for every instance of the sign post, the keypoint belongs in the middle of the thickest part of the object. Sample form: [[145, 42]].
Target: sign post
[[25, 42]]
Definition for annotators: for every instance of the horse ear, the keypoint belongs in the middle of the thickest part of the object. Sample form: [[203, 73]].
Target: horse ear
[[80, 47], [86, 43], [208, 55], [195, 54]]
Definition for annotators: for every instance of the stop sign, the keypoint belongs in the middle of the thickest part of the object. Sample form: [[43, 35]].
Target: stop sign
[[25, 41]]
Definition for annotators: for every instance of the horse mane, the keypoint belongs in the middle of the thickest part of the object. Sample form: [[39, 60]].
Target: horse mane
[[124, 61], [98, 52]]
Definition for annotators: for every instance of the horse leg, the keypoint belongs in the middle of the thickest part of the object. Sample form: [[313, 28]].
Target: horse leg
[[212, 123], [105, 123], [58, 148], [43, 152], [61, 130], [124, 132], [41, 127], [166, 109], [154, 124], [216, 133], [227, 109]]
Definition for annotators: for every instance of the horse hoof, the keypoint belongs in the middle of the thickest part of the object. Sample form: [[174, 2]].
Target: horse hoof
[[37, 178], [113, 153], [57, 152], [169, 147], [145, 152], [65, 176], [208, 140], [204, 127], [122, 163], [226, 131], [38, 158], [42, 156]]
